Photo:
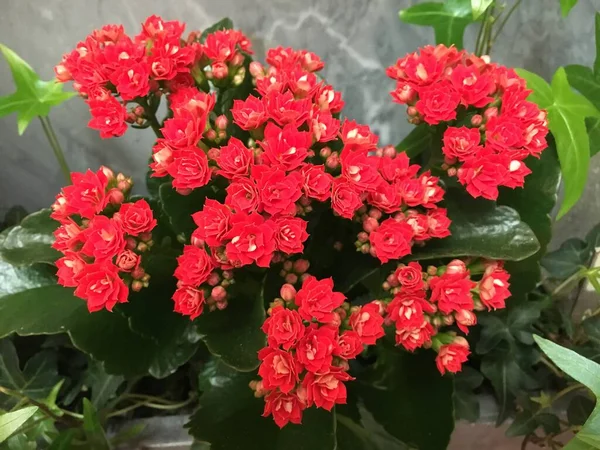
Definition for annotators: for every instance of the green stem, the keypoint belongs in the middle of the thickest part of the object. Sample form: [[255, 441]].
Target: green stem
[[53, 140], [505, 19], [566, 390], [150, 116], [66, 420], [575, 277], [480, 33], [147, 404]]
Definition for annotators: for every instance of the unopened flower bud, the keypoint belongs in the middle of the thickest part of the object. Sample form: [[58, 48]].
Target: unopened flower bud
[[370, 224], [325, 152], [213, 279], [459, 340], [213, 153], [221, 122], [375, 213], [287, 266], [287, 292], [228, 274], [237, 60], [127, 260], [448, 320], [218, 293], [452, 172], [389, 151], [337, 245], [411, 111], [256, 69], [137, 285], [219, 70], [291, 278], [456, 266], [362, 237], [336, 321], [138, 273], [222, 305], [490, 112], [131, 243], [115, 197], [386, 286], [436, 322], [431, 270], [332, 161], [465, 317], [211, 135], [476, 120], [142, 247], [301, 266]]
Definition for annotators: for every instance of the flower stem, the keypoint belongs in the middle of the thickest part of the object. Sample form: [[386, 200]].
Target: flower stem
[[53, 140], [150, 116]]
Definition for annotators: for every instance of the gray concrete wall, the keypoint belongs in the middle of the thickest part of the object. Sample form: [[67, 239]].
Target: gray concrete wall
[[356, 38]]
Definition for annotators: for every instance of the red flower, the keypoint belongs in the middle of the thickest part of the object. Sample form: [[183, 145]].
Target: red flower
[[284, 109], [189, 301], [285, 147], [438, 102], [515, 176], [252, 240], [474, 87], [327, 389], [419, 224], [452, 292], [69, 236], [420, 69], [461, 143], [504, 133], [324, 127], [410, 277], [192, 103], [87, 195], [412, 337], [108, 117], [368, 323], [136, 218], [190, 170], [317, 182], [438, 223], [357, 137], [291, 234], [464, 319], [284, 408], [406, 309], [242, 196], [249, 114], [361, 169], [315, 350], [101, 287], [284, 327], [127, 261], [328, 99], [183, 132], [278, 191], [235, 159], [212, 222], [71, 268], [392, 240], [279, 369], [387, 198], [422, 191], [349, 345], [493, 289], [316, 299], [104, 238], [451, 357], [194, 266], [345, 199], [397, 168], [131, 80], [483, 174]]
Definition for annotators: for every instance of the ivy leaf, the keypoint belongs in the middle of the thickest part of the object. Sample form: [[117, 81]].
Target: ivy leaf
[[102, 385], [12, 421], [94, 433], [30, 241], [567, 111], [480, 228], [583, 79], [479, 7], [393, 392], [587, 373], [448, 19], [572, 255], [566, 6], [466, 402], [33, 96]]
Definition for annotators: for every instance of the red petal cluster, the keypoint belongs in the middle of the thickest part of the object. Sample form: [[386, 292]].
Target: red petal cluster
[[442, 84], [102, 238]]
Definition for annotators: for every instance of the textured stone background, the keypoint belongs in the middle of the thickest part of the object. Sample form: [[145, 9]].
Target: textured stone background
[[356, 38]]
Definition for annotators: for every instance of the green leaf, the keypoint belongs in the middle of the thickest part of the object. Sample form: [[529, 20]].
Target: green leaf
[[316, 431], [597, 60], [12, 421], [223, 24], [448, 19], [592, 125], [480, 228], [587, 373], [582, 78], [36, 380], [579, 409], [566, 6], [542, 92], [30, 241], [103, 385], [534, 203], [466, 402], [418, 140], [235, 334], [63, 440], [365, 433], [479, 7], [96, 438], [393, 392], [527, 422], [572, 255], [33, 97]]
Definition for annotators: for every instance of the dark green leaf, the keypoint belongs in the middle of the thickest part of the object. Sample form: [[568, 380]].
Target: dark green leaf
[[448, 19], [316, 431], [234, 334], [30, 242], [12, 421], [527, 422], [393, 392], [582, 78], [223, 24], [103, 385], [33, 97], [365, 435], [579, 409], [96, 438], [572, 255], [566, 6], [128, 433], [179, 208], [418, 140], [591, 326], [480, 228], [63, 440], [466, 402]]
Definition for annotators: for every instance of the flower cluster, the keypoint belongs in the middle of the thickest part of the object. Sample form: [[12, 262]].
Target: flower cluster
[[423, 302], [109, 65], [102, 238], [311, 336], [491, 127]]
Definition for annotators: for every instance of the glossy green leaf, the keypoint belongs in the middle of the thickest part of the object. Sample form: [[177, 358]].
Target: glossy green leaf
[[479, 7], [480, 228], [102, 385], [534, 203], [393, 392], [96, 438], [583, 79], [318, 430], [418, 140], [30, 241], [584, 371], [448, 19], [566, 6], [234, 334], [10, 422], [33, 97], [466, 402]]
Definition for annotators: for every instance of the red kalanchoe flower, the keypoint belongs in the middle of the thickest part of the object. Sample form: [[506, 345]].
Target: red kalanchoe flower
[[193, 266], [108, 117], [100, 286], [284, 408], [461, 143], [243, 196], [249, 114], [235, 159], [412, 336], [279, 369], [345, 199], [315, 350], [104, 238], [189, 301], [438, 223], [493, 289], [278, 191], [317, 299], [317, 182], [483, 174], [135, 218], [452, 292], [349, 345], [213, 222], [291, 234], [285, 147], [327, 389], [391, 240], [189, 170], [367, 321], [410, 277], [87, 195], [71, 268], [284, 327], [251, 241], [438, 102], [451, 357]]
